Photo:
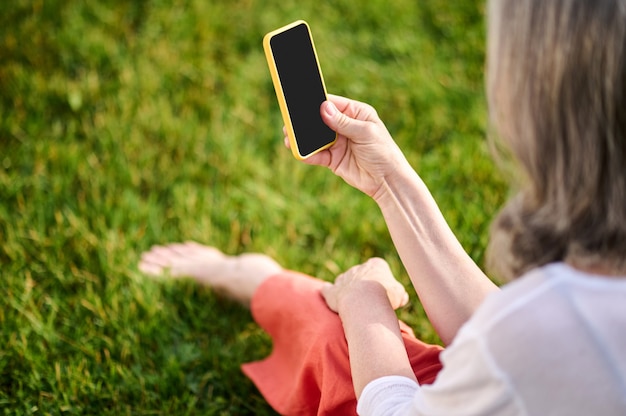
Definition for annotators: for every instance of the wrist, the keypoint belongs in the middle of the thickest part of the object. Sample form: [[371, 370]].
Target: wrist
[[403, 179], [363, 296]]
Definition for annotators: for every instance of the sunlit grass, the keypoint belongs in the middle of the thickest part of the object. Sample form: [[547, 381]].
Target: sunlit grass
[[127, 124]]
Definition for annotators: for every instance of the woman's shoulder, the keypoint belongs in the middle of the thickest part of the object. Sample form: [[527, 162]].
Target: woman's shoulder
[[544, 289], [544, 333]]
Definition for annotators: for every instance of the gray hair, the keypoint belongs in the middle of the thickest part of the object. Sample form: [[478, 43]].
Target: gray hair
[[556, 86]]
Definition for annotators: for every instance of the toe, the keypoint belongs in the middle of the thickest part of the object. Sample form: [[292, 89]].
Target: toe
[[162, 259], [150, 268]]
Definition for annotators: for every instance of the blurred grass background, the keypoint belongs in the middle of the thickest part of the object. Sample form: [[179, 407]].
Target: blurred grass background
[[125, 124]]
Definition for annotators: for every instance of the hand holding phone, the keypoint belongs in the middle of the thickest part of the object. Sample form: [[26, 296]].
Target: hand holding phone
[[300, 88]]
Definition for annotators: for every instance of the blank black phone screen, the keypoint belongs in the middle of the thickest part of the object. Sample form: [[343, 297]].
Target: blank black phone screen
[[302, 87]]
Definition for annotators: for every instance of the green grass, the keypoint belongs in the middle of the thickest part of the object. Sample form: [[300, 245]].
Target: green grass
[[126, 124]]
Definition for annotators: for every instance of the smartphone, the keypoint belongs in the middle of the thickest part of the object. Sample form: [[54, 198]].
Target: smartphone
[[299, 86]]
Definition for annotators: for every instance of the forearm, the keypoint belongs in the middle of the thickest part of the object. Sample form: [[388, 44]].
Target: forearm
[[375, 343], [450, 285]]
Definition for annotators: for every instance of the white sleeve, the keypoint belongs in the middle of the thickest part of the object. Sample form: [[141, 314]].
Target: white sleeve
[[470, 383], [391, 395]]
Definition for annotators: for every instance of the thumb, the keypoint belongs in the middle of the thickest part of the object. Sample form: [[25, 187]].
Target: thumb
[[343, 124]]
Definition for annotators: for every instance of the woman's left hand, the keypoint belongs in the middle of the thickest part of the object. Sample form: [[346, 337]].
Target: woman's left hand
[[374, 270]]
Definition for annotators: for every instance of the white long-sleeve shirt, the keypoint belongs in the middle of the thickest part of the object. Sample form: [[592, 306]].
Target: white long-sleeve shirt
[[550, 343]]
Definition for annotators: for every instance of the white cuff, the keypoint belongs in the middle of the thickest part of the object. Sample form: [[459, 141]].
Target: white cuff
[[390, 395]]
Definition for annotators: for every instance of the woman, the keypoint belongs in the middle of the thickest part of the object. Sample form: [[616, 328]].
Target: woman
[[551, 342]]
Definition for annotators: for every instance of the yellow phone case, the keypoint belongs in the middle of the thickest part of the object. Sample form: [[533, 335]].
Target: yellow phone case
[[282, 103]]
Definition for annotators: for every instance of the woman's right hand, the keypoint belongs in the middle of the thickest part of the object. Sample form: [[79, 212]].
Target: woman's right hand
[[364, 153]]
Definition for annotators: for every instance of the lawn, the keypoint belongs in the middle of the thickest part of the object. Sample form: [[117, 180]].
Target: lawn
[[125, 124]]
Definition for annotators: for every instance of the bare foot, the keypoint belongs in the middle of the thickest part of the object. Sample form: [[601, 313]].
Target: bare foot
[[237, 277]]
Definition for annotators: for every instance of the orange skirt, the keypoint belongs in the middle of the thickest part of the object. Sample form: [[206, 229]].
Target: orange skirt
[[308, 370]]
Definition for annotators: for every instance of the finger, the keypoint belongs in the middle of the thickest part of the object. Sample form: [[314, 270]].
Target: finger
[[356, 130], [405, 299], [355, 109], [377, 262], [342, 103], [322, 158]]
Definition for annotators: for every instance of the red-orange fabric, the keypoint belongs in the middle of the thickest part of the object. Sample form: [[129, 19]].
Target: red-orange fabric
[[308, 371]]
